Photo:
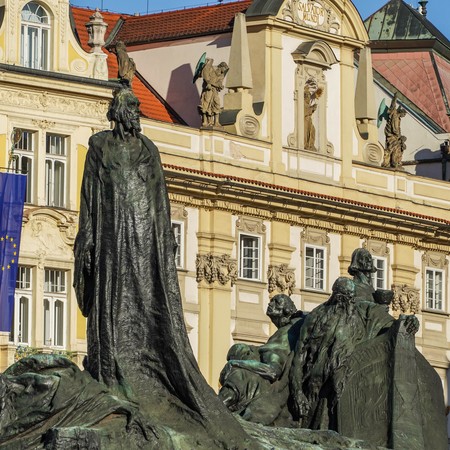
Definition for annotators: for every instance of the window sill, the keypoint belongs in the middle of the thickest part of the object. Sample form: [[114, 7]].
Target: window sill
[[437, 312], [315, 291]]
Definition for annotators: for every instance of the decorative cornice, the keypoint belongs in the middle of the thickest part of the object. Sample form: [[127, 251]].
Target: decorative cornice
[[211, 268], [43, 101], [266, 201], [343, 227]]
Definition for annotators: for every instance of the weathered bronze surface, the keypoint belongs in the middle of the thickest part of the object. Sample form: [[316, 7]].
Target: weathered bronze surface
[[139, 364], [347, 366]]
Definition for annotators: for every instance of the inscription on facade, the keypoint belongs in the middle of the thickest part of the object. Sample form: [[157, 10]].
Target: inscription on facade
[[312, 13]]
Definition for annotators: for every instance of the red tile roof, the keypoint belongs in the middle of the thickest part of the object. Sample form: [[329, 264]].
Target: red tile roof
[[152, 105], [414, 75], [181, 23]]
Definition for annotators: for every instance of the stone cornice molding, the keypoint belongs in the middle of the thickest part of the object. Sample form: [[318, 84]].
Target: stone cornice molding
[[327, 221], [47, 102], [257, 199]]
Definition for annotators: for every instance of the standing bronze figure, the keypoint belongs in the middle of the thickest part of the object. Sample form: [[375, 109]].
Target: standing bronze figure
[[127, 285]]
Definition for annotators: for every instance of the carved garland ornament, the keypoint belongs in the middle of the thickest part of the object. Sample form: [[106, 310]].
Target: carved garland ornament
[[406, 299], [213, 268], [281, 279]]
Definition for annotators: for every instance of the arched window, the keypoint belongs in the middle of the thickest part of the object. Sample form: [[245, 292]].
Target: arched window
[[35, 37]]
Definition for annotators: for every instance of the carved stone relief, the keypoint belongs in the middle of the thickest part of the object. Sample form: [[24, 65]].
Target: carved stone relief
[[373, 154], [43, 124], [249, 126], [48, 233], [406, 299], [315, 237], [312, 13], [47, 102], [250, 225], [377, 248], [211, 268], [435, 260], [178, 211], [281, 279]]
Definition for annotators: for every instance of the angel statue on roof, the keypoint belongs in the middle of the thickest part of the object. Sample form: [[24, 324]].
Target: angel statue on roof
[[213, 77]]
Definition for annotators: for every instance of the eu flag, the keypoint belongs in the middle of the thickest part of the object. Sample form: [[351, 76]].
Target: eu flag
[[12, 196]]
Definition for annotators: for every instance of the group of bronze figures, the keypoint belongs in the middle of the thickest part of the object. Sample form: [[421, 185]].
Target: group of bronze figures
[[298, 376]]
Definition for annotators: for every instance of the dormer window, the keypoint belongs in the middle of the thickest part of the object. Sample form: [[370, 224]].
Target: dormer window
[[35, 37]]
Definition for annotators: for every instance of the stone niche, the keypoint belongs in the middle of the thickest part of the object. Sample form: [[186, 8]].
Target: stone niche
[[312, 59]]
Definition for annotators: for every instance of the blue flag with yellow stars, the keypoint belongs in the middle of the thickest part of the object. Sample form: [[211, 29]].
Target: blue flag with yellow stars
[[12, 196]]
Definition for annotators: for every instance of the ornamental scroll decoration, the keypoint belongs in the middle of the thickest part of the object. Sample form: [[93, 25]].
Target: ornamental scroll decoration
[[211, 268], [406, 299], [281, 279]]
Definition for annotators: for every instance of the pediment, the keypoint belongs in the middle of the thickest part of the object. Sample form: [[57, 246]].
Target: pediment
[[338, 17]]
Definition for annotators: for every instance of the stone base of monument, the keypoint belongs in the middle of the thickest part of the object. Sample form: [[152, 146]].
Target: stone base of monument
[[112, 435]]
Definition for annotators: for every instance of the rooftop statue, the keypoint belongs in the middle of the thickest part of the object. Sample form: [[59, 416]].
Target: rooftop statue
[[213, 77], [127, 67], [395, 142]]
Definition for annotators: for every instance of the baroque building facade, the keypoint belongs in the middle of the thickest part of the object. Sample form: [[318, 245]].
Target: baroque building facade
[[274, 200]]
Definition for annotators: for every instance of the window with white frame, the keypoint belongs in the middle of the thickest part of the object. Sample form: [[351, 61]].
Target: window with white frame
[[55, 170], [178, 231], [434, 288], [250, 257], [314, 268], [23, 163], [35, 37], [20, 330], [379, 278], [55, 299]]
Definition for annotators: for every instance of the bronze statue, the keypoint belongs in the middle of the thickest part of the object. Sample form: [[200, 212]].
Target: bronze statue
[[327, 339], [312, 93], [127, 284], [255, 380], [347, 366], [395, 142], [213, 77], [362, 268]]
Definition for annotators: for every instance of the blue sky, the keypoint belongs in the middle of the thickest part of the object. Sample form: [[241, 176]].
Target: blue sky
[[438, 10]]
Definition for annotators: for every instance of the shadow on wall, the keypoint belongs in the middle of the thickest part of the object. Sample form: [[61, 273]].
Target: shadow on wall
[[429, 164], [183, 95]]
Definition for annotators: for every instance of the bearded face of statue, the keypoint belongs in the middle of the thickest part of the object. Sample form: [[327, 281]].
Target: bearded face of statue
[[124, 111]]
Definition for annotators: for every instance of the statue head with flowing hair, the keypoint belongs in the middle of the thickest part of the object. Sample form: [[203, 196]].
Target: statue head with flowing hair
[[124, 112]]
